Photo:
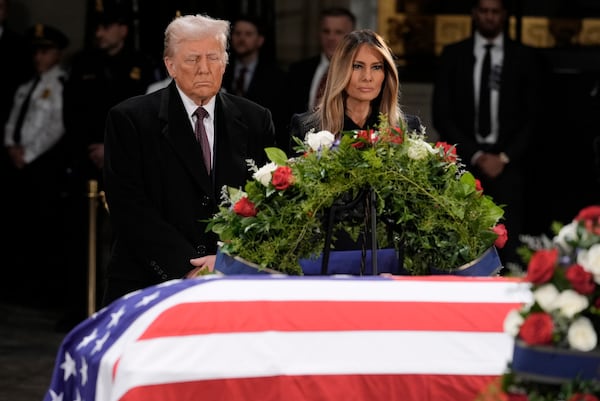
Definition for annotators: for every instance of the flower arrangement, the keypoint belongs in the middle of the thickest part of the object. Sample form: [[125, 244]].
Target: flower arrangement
[[438, 212], [564, 273]]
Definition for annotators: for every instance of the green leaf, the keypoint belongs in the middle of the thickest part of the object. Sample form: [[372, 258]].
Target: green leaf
[[277, 156]]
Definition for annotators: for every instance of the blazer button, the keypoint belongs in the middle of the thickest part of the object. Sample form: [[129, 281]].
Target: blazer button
[[201, 250], [204, 201]]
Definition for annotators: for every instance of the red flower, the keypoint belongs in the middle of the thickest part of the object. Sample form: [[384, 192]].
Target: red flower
[[500, 229], [394, 135], [590, 216], [449, 151], [583, 397], [363, 136], [537, 329], [582, 281], [282, 178], [541, 266], [478, 186], [244, 207], [589, 213]]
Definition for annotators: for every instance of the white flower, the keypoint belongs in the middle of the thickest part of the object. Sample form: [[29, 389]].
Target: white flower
[[319, 140], [512, 322], [581, 335], [567, 233], [546, 296], [263, 175], [570, 302], [419, 149], [590, 260]]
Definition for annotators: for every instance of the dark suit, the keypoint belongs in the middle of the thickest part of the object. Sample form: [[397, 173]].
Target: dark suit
[[454, 116], [159, 191], [266, 89], [299, 79]]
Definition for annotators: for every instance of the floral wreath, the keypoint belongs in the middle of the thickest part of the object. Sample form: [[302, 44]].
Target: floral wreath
[[440, 214]]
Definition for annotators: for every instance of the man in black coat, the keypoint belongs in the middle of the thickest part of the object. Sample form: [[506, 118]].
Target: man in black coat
[[159, 188], [250, 73], [305, 76], [497, 156]]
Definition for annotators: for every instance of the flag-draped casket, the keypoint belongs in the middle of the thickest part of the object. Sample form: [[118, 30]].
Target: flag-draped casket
[[278, 337]]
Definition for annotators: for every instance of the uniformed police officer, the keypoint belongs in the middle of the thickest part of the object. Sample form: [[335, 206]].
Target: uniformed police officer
[[34, 140]]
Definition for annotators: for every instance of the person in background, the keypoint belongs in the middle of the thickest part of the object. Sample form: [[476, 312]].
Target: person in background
[[363, 83], [33, 139], [306, 78], [169, 154], [251, 74], [15, 68], [100, 76], [490, 116]]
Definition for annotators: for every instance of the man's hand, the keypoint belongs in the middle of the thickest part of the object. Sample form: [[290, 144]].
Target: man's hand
[[203, 265], [490, 164]]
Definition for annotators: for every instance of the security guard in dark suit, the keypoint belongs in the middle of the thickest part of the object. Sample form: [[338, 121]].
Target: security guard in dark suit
[[100, 77]]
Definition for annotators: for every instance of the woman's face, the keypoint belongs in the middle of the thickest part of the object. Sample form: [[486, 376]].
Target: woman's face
[[368, 73]]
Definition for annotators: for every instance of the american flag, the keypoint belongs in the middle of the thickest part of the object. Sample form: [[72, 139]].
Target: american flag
[[275, 337]]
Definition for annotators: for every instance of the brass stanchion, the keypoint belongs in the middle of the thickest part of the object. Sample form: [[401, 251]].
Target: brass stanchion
[[93, 206]]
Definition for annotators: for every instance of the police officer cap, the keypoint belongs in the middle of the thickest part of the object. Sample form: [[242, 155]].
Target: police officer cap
[[109, 12], [41, 35]]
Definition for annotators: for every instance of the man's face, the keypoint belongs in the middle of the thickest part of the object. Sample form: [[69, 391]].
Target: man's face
[[45, 58], [111, 37], [245, 39], [197, 66], [333, 29], [489, 17]]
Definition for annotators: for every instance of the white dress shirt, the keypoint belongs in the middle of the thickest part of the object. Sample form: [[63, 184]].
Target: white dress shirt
[[320, 71], [209, 121]]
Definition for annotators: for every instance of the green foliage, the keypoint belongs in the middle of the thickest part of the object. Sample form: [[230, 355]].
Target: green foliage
[[440, 218]]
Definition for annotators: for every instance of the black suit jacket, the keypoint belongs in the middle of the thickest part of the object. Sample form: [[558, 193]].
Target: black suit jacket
[[267, 89], [299, 78], [454, 100], [158, 190]]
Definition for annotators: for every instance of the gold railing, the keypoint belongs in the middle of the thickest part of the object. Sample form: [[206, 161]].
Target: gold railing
[[95, 198]]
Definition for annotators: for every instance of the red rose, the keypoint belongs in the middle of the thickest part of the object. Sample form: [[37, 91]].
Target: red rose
[[244, 207], [581, 281], [478, 186], [590, 216], [500, 229], [394, 135], [364, 136], [583, 397], [537, 329], [589, 213], [541, 266], [282, 178], [449, 151]]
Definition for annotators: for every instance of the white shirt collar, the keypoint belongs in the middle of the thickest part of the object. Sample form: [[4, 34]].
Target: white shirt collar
[[191, 106], [480, 41]]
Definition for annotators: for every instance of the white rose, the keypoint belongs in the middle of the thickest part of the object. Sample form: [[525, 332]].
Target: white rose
[[590, 260], [513, 322], [263, 175], [570, 302], [546, 296], [320, 140], [566, 233], [419, 149], [581, 335]]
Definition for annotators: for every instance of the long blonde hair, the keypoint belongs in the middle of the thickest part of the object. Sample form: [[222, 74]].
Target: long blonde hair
[[330, 111]]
